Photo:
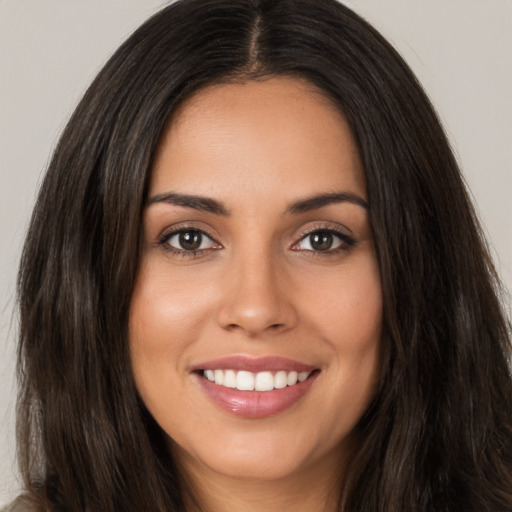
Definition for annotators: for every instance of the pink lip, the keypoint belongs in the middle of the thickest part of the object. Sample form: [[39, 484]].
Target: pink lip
[[254, 364], [255, 404]]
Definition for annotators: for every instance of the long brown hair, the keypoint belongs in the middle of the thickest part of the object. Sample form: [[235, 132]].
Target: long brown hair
[[437, 436]]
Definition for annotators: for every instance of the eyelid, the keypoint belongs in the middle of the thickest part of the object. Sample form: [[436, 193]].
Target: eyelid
[[204, 235], [192, 225], [347, 240], [164, 237]]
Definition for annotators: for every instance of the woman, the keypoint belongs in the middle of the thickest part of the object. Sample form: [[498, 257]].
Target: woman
[[253, 279]]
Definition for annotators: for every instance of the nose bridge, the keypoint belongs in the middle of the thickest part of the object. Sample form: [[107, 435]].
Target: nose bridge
[[256, 299]]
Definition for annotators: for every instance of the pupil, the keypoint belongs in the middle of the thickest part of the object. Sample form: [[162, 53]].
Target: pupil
[[321, 241], [190, 240]]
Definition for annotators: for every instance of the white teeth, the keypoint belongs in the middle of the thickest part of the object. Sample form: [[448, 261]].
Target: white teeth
[[245, 381], [261, 381], [303, 376], [230, 379], [280, 380], [264, 381], [219, 377], [291, 379]]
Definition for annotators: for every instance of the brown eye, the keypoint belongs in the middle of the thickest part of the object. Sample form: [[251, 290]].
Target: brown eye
[[189, 240], [321, 240], [324, 240]]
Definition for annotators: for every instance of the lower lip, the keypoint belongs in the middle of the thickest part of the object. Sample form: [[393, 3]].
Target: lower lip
[[256, 404]]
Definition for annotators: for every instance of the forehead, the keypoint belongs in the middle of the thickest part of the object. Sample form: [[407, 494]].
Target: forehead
[[280, 129]]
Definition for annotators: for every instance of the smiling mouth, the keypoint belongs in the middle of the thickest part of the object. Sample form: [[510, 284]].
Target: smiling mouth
[[255, 388], [250, 381]]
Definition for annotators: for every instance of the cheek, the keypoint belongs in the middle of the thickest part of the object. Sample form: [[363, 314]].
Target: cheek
[[166, 316], [346, 312], [346, 306], [166, 307]]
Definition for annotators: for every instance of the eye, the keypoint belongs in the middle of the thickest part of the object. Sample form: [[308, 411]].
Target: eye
[[188, 240], [324, 240]]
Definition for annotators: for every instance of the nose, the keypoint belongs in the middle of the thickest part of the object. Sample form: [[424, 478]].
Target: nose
[[256, 297]]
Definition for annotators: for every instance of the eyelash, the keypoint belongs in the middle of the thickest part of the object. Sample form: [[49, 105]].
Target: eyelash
[[183, 253], [347, 242]]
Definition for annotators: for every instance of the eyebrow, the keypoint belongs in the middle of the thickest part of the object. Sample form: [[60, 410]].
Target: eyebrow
[[319, 201], [210, 205], [201, 203]]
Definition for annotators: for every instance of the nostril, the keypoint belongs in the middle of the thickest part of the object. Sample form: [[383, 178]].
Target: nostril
[[255, 314], [270, 328]]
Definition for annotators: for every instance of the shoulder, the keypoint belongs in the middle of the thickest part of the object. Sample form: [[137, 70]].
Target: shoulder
[[18, 505]]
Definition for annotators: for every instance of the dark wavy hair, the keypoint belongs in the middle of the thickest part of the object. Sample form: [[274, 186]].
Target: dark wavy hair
[[438, 434]]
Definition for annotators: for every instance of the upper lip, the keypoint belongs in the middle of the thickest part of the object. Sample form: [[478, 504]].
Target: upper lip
[[254, 364]]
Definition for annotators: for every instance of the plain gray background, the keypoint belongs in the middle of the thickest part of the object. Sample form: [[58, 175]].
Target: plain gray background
[[51, 49]]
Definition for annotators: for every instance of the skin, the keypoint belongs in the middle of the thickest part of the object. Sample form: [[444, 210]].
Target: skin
[[258, 289]]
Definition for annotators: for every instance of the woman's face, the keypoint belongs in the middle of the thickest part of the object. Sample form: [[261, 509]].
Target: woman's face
[[258, 270]]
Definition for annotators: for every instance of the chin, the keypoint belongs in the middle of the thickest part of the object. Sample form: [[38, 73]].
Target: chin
[[259, 456], [256, 467]]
